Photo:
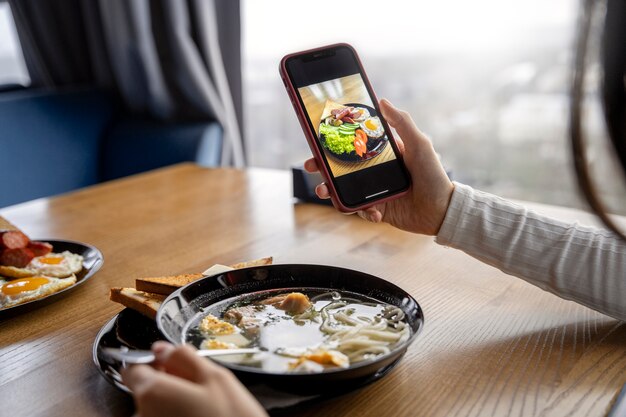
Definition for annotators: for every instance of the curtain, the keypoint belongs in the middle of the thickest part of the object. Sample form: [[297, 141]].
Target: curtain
[[172, 59]]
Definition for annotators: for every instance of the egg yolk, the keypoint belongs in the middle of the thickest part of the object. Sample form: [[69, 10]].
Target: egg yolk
[[24, 284], [53, 260], [370, 124]]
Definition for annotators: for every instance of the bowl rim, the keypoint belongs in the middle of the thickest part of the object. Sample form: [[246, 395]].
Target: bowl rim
[[398, 351]]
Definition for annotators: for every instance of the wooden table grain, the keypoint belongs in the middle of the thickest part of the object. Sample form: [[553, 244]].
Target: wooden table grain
[[492, 344]]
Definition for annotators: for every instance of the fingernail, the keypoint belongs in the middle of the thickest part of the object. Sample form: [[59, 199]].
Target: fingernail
[[162, 350], [388, 103]]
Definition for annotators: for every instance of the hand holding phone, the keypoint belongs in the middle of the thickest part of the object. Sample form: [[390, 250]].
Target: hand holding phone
[[423, 209], [348, 136]]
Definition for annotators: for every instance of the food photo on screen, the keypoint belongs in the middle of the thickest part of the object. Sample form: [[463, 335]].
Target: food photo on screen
[[347, 124]]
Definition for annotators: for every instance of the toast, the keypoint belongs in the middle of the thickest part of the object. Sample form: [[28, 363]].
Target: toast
[[146, 303], [7, 225], [150, 293], [165, 285], [255, 262], [168, 284]]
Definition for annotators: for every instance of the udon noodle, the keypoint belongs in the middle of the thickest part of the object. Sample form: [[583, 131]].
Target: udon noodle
[[361, 337], [298, 332]]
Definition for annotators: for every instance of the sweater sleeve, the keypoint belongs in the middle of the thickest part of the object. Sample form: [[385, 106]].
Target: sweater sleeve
[[579, 263]]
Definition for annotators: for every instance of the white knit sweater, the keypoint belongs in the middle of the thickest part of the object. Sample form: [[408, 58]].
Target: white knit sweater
[[580, 263]]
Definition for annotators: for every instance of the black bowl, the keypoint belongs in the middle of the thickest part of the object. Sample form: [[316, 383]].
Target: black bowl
[[129, 329], [180, 308]]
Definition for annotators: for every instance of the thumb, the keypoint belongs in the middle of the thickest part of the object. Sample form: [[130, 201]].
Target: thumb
[[183, 362], [138, 377], [401, 121], [159, 394]]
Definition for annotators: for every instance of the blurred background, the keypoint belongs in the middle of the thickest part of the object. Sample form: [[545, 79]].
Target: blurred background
[[12, 66], [487, 80]]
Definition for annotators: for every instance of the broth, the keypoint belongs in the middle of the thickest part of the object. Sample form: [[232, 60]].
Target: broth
[[300, 330]]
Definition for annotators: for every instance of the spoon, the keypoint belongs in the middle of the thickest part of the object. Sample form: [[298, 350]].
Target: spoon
[[136, 356]]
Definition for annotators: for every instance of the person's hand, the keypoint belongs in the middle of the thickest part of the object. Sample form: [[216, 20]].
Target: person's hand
[[424, 207], [184, 384]]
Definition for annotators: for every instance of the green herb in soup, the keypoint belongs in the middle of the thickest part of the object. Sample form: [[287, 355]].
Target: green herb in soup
[[302, 333]]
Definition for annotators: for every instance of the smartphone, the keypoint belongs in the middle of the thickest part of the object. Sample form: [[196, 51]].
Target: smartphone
[[349, 137]]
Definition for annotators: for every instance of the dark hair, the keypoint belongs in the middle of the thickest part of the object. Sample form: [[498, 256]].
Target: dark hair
[[613, 60]]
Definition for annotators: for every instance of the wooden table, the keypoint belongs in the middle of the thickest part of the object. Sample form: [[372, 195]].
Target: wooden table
[[492, 344]]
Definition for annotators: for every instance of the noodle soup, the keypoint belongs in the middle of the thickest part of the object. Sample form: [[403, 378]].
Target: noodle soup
[[301, 331]]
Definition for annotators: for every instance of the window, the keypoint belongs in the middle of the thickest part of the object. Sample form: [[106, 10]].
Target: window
[[12, 66], [487, 80]]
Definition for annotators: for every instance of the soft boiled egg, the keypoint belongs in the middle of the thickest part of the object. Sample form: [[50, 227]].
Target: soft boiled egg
[[321, 357], [21, 290], [373, 127], [56, 264], [214, 326]]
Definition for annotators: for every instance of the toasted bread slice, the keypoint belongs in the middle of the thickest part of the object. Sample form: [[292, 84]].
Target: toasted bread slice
[[168, 284], [255, 262], [146, 303], [165, 285], [7, 225]]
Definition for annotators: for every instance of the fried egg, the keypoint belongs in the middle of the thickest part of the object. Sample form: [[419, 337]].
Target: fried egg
[[361, 114], [373, 127], [22, 290], [56, 264], [59, 265]]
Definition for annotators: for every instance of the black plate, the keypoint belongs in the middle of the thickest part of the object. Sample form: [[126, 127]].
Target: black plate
[[182, 306], [92, 261], [135, 331], [375, 146], [127, 329]]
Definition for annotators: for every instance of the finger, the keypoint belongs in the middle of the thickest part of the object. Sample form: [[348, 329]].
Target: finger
[[371, 214], [400, 144], [322, 191], [161, 347], [161, 350], [157, 393], [400, 120], [310, 165], [375, 216], [183, 362], [137, 375]]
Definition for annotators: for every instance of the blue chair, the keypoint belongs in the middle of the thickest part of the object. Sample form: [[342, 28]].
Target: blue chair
[[134, 146], [53, 142]]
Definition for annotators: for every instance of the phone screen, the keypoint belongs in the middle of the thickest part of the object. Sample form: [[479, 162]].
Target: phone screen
[[347, 124]]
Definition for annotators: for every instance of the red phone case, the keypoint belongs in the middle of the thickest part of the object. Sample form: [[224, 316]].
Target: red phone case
[[312, 140]]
